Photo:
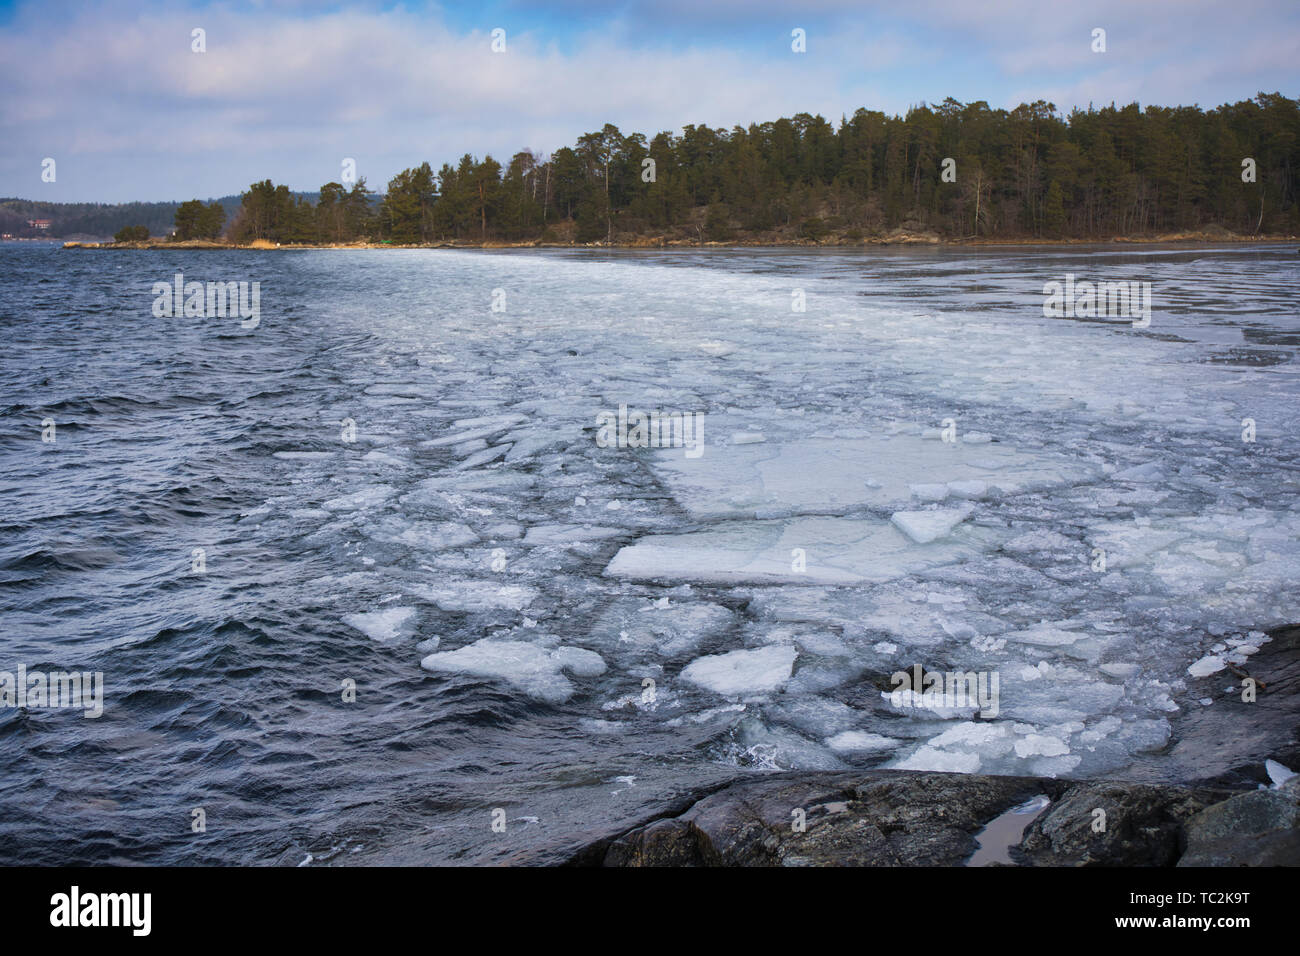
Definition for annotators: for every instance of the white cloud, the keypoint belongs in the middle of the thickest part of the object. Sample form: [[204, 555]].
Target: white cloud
[[288, 94]]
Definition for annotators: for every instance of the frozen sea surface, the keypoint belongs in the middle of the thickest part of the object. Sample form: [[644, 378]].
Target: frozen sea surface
[[398, 489]]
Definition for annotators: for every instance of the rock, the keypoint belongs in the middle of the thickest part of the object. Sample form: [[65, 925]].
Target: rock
[[1246, 813], [916, 233], [1250, 829], [1143, 825], [1274, 848], [872, 819], [1227, 744], [902, 818]]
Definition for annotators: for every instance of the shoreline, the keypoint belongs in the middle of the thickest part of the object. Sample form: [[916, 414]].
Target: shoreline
[[1208, 798], [891, 818], [1214, 804], [903, 239]]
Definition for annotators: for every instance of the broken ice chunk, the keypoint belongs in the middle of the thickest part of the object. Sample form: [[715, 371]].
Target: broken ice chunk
[[530, 667], [929, 492], [968, 489], [1210, 664], [386, 625], [1044, 635], [834, 551], [1278, 773], [926, 526], [812, 475], [858, 741], [743, 672], [471, 596]]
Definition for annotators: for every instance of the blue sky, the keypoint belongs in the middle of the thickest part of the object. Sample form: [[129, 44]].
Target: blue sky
[[115, 95]]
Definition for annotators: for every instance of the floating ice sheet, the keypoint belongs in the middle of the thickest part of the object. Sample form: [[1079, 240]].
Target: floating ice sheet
[[467, 595], [926, 526], [743, 672], [385, 625], [835, 551], [631, 629], [833, 475], [532, 668]]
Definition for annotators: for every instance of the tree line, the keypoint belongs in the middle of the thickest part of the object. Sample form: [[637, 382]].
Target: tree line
[[961, 170]]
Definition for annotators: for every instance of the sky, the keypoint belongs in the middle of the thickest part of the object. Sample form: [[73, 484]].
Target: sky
[[116, 95]]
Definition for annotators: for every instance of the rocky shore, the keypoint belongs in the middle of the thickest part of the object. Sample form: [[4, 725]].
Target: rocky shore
[[905, 818], [1237, 807]]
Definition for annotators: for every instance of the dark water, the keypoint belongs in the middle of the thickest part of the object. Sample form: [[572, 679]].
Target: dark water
[[223, 689]]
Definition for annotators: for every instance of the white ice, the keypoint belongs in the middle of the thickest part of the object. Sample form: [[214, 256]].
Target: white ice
[[743, 672], [926, 526], [532, 668], [817, 475], [386, 625], [836, 551]]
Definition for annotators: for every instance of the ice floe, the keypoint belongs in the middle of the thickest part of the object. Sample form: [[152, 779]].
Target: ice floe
[[469, 595], [814, 476], [532, 668], [742, 672], [386, 625], [926, 526], [836, 551]]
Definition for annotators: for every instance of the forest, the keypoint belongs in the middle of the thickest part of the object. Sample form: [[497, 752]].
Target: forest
[[93, 220], [957, 170]]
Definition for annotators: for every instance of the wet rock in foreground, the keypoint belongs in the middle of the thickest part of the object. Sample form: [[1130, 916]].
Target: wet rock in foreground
[[902, 818], [1259, 828]]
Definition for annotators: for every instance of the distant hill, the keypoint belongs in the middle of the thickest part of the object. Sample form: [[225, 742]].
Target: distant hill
[[81, 220]]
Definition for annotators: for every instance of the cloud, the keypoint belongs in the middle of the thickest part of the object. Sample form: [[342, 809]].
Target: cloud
[[289, 91]]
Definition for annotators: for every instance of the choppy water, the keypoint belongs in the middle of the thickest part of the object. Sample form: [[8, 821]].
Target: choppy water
[[223, 689]]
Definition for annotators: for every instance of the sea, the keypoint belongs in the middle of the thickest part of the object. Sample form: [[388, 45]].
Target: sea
[[477, 556]]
